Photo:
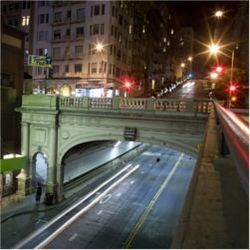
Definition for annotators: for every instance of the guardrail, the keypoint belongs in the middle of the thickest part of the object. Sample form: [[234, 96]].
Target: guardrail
[[236, 134], [146, 104]]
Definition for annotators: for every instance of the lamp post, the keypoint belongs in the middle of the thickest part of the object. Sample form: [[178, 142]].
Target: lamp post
[[214, 49]]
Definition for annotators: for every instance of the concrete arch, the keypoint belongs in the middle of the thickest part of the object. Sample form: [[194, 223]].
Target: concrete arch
[[74, 141]]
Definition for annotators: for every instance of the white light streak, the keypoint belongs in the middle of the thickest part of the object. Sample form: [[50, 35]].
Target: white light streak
[[76, 216]]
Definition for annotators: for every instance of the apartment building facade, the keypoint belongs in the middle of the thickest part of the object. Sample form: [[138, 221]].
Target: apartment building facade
[[90, 43]]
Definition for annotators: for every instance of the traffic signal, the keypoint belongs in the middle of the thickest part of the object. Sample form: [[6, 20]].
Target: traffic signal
[[233, 99], [232, 88], [219, 69], [127, 85]]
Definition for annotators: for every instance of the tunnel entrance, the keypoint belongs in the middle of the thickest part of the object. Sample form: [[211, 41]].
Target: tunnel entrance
[[40, 165]]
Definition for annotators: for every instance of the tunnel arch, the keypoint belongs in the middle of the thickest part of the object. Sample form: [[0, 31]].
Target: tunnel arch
[[39, 167], [76, 140]]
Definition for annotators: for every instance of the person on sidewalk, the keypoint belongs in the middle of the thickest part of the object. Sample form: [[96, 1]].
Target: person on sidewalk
[[38, 192]]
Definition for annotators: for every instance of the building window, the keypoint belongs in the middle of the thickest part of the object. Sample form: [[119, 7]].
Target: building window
[[111, 49], [79, 31], [91, 13], [41, 3], [78, 68], [69, 14], [57, 34], [113, 10], [93, 68], [42, 36], [16, 23], [102, 67], [56, 52], [112, 30], [172, 31], [10, 7], [41, 18], [130, 29], [120, 19], [47, 18], [102, 29], [90, 30], [80, 14], [16, 6], [66, 69], [67, 51], [58, 17], [40, 52], [97, 10], [25, 20], [68, 32], [56, 69], [103, 9], [79, 50], [96, 29]]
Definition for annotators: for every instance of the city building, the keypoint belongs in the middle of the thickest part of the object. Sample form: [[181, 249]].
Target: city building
[[12, 73], [90, 45]]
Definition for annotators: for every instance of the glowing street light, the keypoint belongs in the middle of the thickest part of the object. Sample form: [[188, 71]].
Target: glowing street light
[[190, 58], [219, 13], [99, 47], [214, 49], [213, 75], [183, 65]]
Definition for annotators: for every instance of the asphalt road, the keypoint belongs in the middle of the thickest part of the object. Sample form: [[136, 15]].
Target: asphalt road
[[191, 89], [139, 208]]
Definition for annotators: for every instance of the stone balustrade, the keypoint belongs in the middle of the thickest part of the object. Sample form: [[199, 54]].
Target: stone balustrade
[[146, 104]]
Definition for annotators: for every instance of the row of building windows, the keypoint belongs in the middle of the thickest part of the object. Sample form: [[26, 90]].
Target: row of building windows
[[78, 68], [16, 6], [98, 9], [80, 15], [57, 34]]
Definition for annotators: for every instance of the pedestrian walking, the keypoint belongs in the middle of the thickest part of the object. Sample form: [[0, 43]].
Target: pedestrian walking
[[38, 192]]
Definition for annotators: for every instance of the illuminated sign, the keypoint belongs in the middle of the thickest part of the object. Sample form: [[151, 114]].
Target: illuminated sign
[[39, 61]]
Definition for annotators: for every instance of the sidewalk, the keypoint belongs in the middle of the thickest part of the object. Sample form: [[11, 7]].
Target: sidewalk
[[216, 212]]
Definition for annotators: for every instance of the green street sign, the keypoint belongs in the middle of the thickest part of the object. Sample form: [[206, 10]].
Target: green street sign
[[39, 61]]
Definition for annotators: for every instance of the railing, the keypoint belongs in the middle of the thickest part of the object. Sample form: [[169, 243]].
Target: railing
[[236, 134], [146, 104]]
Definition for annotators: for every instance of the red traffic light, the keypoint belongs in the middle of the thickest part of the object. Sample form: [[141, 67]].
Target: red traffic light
[[127, 84], [219, 69], [232, 88]]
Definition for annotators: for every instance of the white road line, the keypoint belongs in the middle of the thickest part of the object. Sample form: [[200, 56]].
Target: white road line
[[118, 194], [132, 182], [73, 237], [142, 172], [105, 198], [77, 215], [144, 216], [99, 212], [19, 245]]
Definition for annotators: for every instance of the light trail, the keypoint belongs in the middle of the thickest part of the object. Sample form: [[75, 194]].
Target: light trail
[[76, 216], [29, 238]]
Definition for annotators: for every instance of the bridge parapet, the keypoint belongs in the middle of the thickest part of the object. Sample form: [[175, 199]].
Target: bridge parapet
[[146, 104]]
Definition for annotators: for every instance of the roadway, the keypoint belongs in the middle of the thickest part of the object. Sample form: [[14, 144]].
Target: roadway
[[192, 89], [138, 207]]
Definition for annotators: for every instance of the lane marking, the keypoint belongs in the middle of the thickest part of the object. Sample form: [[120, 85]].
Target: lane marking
[[132, 182], [73, 237], [77, 215], [29, 238], [144, 216], [142, 172], [118, 194], [105, 198], [99, 212]]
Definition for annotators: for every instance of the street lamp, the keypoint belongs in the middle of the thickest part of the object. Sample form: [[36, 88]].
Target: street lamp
[[218, 13], [99, 47], [183, 65], [214, 49], [190, 58]]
